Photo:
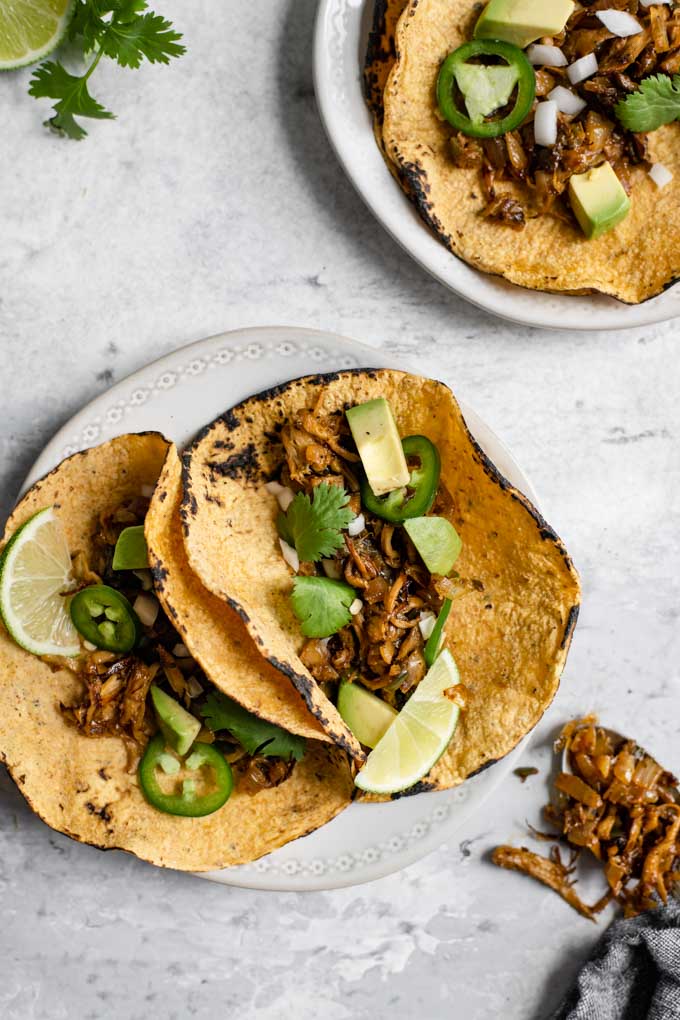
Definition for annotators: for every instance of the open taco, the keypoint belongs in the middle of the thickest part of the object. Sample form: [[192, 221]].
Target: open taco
[[537, 140], [381, 562], [109, 722]]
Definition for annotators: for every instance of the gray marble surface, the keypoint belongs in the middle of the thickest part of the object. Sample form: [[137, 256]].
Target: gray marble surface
[[214, 201]]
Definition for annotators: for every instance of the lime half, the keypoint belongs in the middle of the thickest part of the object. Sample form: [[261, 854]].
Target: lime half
[[30, 29], [418, 736], [35, 571]]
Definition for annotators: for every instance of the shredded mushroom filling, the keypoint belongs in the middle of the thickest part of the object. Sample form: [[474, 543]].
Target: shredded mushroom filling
[[585, 139]]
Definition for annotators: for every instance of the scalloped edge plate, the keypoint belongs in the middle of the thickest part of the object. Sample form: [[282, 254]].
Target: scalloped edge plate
[[177, 395]]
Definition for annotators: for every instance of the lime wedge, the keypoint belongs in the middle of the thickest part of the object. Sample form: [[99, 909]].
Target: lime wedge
[[436, 540], [30, 29], [35, 569], [418, 736]]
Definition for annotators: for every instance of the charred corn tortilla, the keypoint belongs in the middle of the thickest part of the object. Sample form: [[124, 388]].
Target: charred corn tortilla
[[509, 637], [81, 786], [634, 262]]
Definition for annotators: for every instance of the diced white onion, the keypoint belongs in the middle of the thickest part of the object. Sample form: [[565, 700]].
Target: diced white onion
[[567, 101], [661, 175], [89, 646], [426, 624], [284, 495], [545, 123], [290, 555], [582, 69], [194, 686], [356, 607], [332, 568], [146, 607], [147, 491], [619, 23], [651, 3], [181, 651], [546, 56], [145, 577], [356, 526]]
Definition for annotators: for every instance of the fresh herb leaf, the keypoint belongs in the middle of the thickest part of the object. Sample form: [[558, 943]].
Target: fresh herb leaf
[[657, 102], [315, 526], [256, 735], [52, 80], [283, 529], [123, 30], [321, 605]]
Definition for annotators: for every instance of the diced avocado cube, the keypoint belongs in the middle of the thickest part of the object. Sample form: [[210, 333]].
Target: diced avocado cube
[[367, 715], [436, 540], [598, 199], [131, 552], [179, 727], [523, 21], [375, 432]]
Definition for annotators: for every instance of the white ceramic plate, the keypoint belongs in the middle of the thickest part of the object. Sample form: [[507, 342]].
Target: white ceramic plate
[[179, 394], [339, 48]]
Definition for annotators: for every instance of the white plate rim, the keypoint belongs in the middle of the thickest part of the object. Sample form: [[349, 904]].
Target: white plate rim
[[286, 870], [339, 46]]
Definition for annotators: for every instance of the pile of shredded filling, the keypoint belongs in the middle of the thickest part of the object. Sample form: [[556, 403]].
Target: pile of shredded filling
[[620, 804], [383, 646], [593, 136], [115, 698]]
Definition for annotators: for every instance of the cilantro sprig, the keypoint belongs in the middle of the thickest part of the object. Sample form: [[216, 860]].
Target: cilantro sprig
[[256, 735], [321, 605], [124, 30], [314, 526], [656, 102]]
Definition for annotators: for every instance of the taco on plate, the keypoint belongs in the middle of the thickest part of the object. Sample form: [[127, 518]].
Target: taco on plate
[[538, 139], [381, 562], [110, 722]]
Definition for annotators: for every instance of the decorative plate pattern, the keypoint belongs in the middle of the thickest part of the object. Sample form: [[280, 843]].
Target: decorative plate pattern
[[339, 45], [178, 395]]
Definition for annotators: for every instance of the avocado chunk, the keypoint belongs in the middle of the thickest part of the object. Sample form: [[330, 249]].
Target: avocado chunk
[[179, 727], [598, 199], [523, 21], [375, 432], [131, 552], [367, 716], [436, 540]]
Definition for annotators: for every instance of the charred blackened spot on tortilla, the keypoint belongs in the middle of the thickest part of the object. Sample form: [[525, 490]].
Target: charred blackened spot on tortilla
[[211, 498], [103, 774], [240, 465], [571, 624], [162, 496], [101, 812], [484, 767], [230, 420], [421, 787], [223, 444]]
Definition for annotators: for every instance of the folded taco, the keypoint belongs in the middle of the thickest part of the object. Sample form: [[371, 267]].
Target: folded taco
[[538, 140], [383, 565], [110, 722]]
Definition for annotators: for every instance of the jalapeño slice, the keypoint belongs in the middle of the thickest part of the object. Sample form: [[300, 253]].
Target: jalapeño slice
[[416, 498], [186, 801], [105, 618], [455, 70]]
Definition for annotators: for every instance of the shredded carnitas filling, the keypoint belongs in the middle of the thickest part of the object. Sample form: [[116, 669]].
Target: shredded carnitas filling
[[383, 645], [589, 138], [620, 804], [115, 701]]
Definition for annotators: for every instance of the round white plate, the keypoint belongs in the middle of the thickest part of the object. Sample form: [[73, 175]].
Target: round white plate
[[179, 394], [339, 48]]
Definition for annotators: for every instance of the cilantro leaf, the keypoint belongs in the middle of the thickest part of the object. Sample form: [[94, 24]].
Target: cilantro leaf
[[657, 102], [256, 735], [321, 605], [132, 36], [315, 527], [53, 81]]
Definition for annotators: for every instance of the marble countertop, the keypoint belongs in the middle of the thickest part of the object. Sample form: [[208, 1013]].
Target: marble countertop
[[212, 202]]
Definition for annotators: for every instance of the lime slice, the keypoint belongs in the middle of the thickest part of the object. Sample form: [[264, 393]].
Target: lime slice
[[35, 569], [418, 736], [30, 29], [436, 540]]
